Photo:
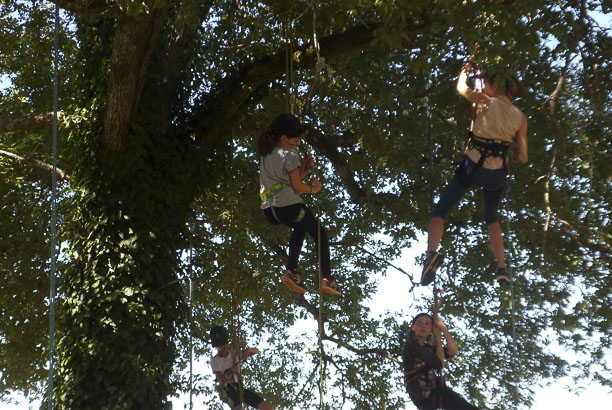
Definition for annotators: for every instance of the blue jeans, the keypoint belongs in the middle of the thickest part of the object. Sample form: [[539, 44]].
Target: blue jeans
[[492, 182]]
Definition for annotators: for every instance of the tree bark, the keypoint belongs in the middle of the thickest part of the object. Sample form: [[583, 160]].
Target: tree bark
[[134, 40]]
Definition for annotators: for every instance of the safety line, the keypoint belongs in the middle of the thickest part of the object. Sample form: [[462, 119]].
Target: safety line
[[53, 215]]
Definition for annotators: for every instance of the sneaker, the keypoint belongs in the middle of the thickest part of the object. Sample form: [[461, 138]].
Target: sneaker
[[431, 265], [328, 285], [503, 277], [293, 281]]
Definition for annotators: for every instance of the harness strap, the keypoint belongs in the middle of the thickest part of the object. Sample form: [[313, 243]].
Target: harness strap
[[300, 216], [413, 374], [269, 193], [274, 214], [488, 147]]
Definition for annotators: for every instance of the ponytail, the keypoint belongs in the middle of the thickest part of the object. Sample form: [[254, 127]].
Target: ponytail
[[515, 88], [266, 143], [512, 86]]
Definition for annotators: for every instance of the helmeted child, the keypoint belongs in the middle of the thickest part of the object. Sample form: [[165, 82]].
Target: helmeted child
[[281, 174], [421, 360], [498, 124], [225, 365]]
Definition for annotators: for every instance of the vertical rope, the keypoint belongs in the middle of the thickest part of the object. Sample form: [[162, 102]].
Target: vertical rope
[[431, 205], [321, 375], [191, 313], [431, 199], [53, 214], [430, 161], [235, 306], [288, 67], [513, 320]]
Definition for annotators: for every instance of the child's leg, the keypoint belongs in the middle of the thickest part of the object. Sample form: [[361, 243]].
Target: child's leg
[[453, 401], [309, 224], [451, 195], [287, 215], [435, 231], [255, 400], [492, 199], [295, 247], [497, 243]]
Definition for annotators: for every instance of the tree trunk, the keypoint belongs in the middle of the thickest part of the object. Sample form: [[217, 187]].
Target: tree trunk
[[119, 323]]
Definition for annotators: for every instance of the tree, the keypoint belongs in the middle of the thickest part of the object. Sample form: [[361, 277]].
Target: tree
[[161, 104]]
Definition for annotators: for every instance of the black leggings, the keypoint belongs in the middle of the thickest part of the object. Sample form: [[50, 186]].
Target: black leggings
[[302, 221], [445, 399]]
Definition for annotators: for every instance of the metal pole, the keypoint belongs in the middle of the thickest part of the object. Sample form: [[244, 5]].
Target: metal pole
[[53, 214], [191, 315]]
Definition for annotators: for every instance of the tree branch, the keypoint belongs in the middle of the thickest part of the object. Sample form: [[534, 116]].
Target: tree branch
[[89, 8], [326, 146], [362, 352], [26, 122], [238, 87], [34, 162]]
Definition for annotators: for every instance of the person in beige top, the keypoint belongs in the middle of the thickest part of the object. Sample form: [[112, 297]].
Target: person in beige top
[[499, 125]]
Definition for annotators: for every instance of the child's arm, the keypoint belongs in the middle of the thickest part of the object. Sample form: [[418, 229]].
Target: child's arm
[[307, 165], [464, 89], [297, 184], [521, 136], [249, 352], [451, 346], [225, 376]]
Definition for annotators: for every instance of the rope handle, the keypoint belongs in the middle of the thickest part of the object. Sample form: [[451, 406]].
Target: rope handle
[[437, 300]]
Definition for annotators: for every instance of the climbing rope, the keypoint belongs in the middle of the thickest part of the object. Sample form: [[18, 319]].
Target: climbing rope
[[191, 313], [235, 305], [53, 215], [436, 290], [288, 66], [320, 321], [513, 310]]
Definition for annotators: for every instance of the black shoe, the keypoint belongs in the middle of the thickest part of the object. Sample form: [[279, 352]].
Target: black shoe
[[431, 265], [503, 277]]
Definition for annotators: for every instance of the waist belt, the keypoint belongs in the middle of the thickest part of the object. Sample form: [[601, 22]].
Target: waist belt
[[269, 193], [487, 147]]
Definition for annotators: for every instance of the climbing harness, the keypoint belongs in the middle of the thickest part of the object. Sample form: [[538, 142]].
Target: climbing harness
[[268, 194]]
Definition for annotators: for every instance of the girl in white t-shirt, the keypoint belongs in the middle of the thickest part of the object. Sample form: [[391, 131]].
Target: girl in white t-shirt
[[280, 176]]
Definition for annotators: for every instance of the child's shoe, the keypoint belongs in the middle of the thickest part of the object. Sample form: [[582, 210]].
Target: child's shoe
[[432, 262], [328, 285], [503, 277], [293, 281]]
